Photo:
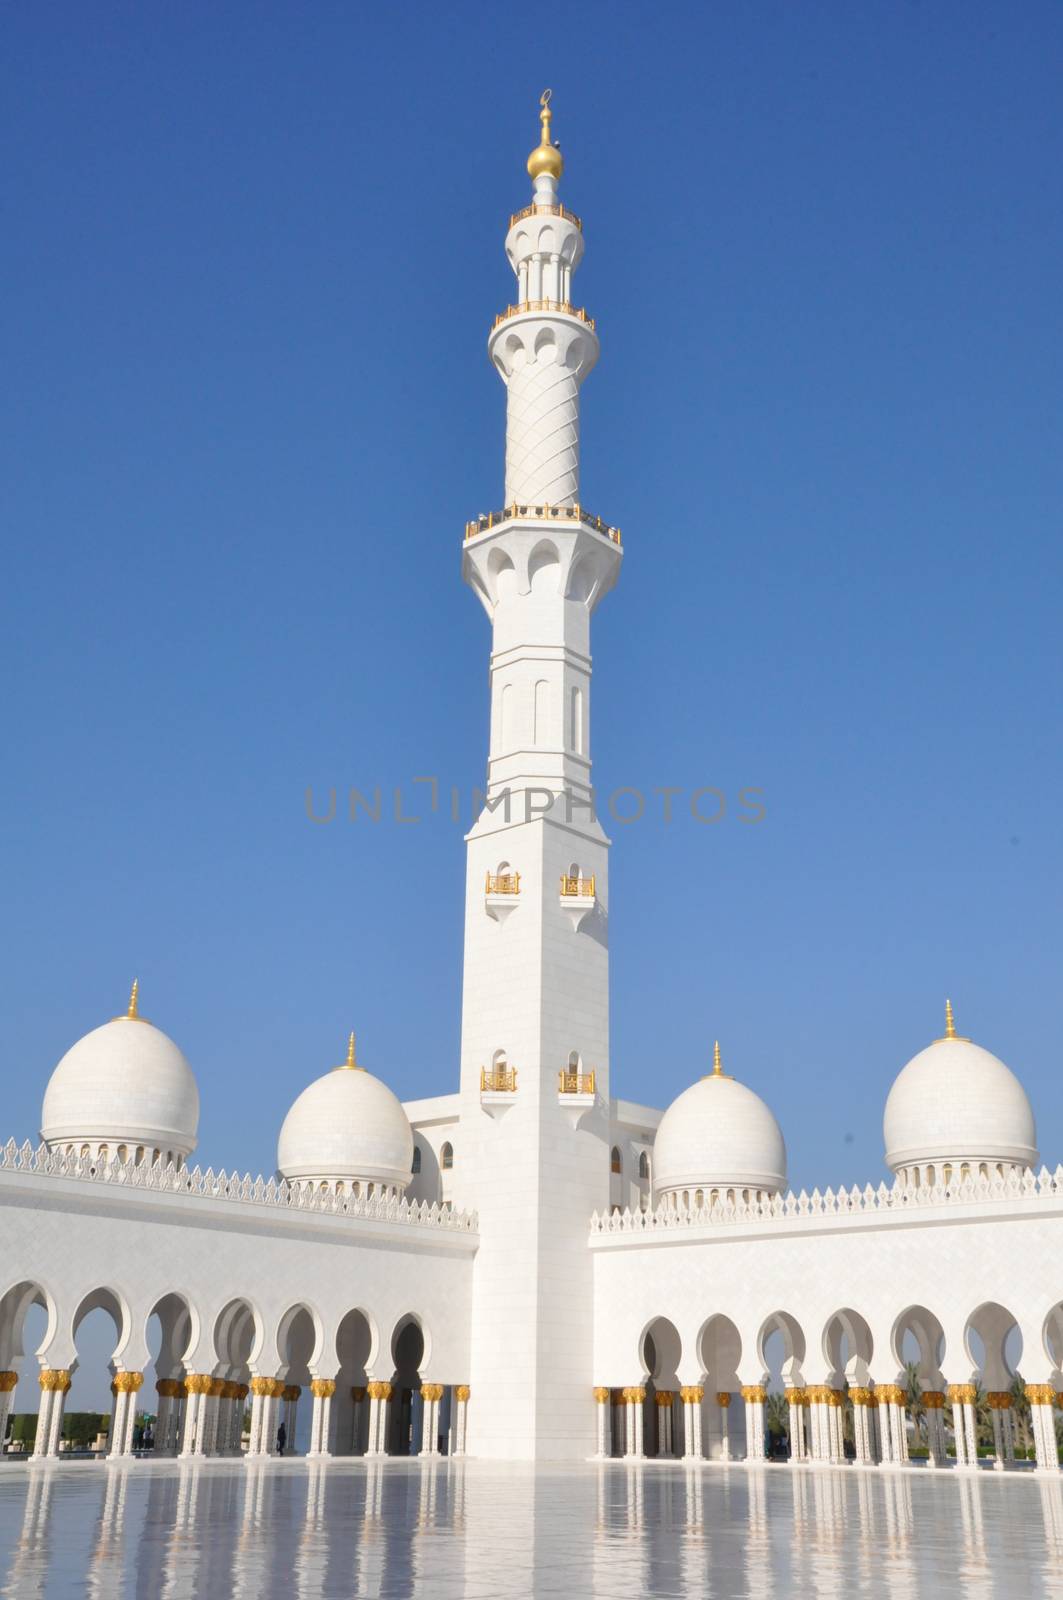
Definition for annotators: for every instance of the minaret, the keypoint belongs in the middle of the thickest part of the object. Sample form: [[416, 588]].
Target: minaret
[[533, 1157]]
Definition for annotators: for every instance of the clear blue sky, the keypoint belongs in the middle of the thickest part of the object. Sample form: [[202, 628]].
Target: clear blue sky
[[252, 252]]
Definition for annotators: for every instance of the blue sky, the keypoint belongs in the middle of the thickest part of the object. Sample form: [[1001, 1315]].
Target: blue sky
[[252, 255]]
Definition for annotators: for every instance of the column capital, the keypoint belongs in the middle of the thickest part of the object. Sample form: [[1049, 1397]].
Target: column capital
[[379, 1390], [322, 1388], [892, 1393], [431, 1391], [797, 1396], [933, 1399], [963, 1394], [198, 1382], [128, 1382], [57, 1380], [358, 1393], [1038, 1394], [291, 1391], [169, 1388], [462, 1392], [723, 1398], [692, 1394], [999, 1400], [8, 1380], [272, 1388], [601, 1396], [754, 1393], [860, 1397]]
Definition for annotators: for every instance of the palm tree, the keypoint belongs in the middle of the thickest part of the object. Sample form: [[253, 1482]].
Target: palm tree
[[777, 1414], [1020, 1410], [913, 1394]]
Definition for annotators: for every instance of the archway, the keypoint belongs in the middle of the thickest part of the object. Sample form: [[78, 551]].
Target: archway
[[660, 1351], [98, 1331], [27, 1318], [297, 1344], [169, 1335], [847, 1349], [993, 1345], [350, 1407], [723, 1427], [406, 1410]]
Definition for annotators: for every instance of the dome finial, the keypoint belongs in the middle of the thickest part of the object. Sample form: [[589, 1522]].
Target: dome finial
[[351, 1065], [717, 1061], [950, 1025], [133, 1014], [545, 160]]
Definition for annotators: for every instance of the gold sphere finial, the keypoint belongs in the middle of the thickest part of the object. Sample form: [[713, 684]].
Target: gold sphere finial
[[351, 1064], [545, 160]]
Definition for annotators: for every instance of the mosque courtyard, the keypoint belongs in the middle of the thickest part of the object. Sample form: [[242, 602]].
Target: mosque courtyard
[[481, 1530]]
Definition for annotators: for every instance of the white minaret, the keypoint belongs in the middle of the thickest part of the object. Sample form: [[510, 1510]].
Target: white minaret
[[533, 1153]]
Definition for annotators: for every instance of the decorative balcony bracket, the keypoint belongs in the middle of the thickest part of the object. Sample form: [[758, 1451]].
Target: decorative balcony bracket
[[499, 906], [577, 1107]]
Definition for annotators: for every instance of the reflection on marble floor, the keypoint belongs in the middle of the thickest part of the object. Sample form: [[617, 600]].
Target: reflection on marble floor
[[447, 1529]]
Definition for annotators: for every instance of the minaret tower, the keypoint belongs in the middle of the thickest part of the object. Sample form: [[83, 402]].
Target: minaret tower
[[534, 1148]]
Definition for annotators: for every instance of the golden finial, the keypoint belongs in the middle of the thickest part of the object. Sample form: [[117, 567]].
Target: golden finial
[[350, 1064], [545, 160], [717, 1061], [133, 1014], [950, 1026]]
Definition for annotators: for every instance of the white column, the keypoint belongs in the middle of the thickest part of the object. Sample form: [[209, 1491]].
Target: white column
[[461, 1416], [322, 1391], [602, 1408], [754, 1395], [431, 1395], [635, 1398], [1009, 1433], [379, 1395], [8, 1380], [861, 1431], [934, 1401], [196, 1386], [998, 1434], [663, 1403], [1041, 1397], [797, 1441], [956, 1394], [54, 1382], [723, 1400], [970, 1432], [692, 1396]]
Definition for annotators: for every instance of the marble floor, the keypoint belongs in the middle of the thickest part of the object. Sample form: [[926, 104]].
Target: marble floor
[[448, 1529]]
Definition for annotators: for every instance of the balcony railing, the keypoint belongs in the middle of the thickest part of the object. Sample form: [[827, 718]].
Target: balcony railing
[[581, 888], [544, 305], [546, 211], [575, 1082], [498, 1080], [502, 883], [518, 513]]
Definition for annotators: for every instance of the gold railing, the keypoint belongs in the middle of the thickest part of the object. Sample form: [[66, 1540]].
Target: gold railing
[[582, 887], [546, 211], [517, 513], [498, 1080], [502, 883], [544, 305], [575, 1082]]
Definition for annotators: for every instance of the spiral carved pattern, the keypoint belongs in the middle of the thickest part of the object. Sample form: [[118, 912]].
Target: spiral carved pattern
[[542, 435]]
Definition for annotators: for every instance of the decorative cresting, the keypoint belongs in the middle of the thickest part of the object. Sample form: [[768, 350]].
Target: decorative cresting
[[754, 1393], [246, 1190], [998, 1400], [55, 1380], [723, 1398], [1038, 1394], [524, 306], [933, 1399], [692, 1394], [601, 1396], [431, 1391], [8, 1381], [378, 1390], [127, 1382], [322, 1388], [487, 521]]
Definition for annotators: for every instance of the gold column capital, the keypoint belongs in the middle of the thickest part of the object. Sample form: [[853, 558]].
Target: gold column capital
[[963, 1394], [378, 1390], [169, 1388], [56, 1380], [291, 1391], [8, 1380], [601, 1396], [462, 1392], [431, 1391], [1039, 1394], [723, 1398], [892, 1393], [797, 1397], [860, 1397], [128, 1382], [322, 1388], [933, 1399], [664, 1397], [358, 1393], [198, 1382], [754, 1393], [692, 1394], [998, 1400], [634, 1395]]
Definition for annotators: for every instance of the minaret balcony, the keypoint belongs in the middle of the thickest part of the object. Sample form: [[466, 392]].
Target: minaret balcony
[[501, 894], [527, 307], [578, 898], [498, 1089], [546, 211], [576, 1094], [489, 520]]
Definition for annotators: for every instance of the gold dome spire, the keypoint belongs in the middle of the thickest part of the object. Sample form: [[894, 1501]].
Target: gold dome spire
[[950, 1026], [350, 1065], [545, 160], [717, 1063], [132, 1015]]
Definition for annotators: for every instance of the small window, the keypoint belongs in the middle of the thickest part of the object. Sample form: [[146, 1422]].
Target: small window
[[446, 1157], [416, 1159], [644, 1165], [615, 1163]]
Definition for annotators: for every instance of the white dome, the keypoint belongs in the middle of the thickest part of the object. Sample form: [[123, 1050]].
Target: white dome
[[956, 1101], [718, 1133], [124, 1083], [346, 1126]]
